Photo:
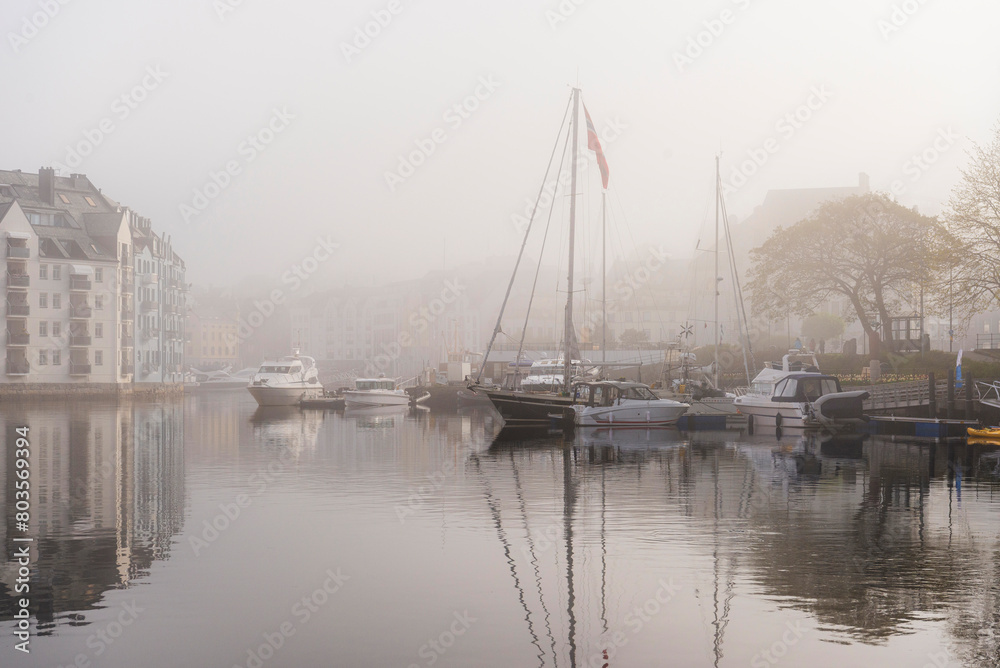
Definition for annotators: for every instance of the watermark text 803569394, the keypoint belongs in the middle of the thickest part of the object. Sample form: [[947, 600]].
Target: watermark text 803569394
[[21, 554]]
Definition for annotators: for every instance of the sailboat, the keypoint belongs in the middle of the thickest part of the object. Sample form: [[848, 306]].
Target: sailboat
[[517, 407]]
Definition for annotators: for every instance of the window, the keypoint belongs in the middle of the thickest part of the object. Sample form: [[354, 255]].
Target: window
[[99, 330], [56, 300], [43, 357], [65, 200], [43, 300], [56, 358], [56, 329], [43, 328], [89, 200], [99, 275], [99, 357], [43, 271], [98, 302], [56, 272]]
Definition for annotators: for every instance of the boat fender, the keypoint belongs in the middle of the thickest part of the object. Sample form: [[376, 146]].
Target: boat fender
[[750, 424], [777, 420], [647, 416]]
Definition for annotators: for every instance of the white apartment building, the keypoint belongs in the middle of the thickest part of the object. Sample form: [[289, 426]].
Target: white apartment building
[[69, 306]]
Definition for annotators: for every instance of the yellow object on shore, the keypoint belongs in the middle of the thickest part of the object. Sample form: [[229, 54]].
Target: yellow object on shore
[[985, 432]]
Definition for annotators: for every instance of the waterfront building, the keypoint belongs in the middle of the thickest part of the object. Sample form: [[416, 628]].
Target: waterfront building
[[69, 283], [212, 340]]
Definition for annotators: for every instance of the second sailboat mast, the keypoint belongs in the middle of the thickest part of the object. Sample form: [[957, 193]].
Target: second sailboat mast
[[568, 334]]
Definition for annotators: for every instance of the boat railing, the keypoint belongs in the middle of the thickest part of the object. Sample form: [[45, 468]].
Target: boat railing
[[988, 392]]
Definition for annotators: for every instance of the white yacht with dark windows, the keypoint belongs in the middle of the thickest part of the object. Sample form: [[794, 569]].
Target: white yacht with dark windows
[[375, 392], [795, 394], [609, 403], [286, 382]]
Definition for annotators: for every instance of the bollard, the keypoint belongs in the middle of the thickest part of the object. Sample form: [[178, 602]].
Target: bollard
[[932, 401], [951, 394]]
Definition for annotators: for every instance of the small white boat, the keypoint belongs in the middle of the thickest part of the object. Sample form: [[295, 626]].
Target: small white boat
[[622, 404], [286, 381], [546, 375], [371, 392], [795, 394]]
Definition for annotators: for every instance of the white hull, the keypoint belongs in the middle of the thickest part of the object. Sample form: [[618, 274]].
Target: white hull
[[282, 396], [372, 399], [792, 415], [639, 414]]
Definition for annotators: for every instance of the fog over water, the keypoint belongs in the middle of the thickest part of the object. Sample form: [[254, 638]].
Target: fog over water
[[299, 115]]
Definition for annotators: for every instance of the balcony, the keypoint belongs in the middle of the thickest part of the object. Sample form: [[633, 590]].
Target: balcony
[[79, 340], [172, 333], [79, 369], [149, 279], [18, 251], [147, 307], [80, 311], [18, 367], [18, 338], [126, 369], [172, 308], [79, 283], [18, 309], [127, 341], [18, 280]]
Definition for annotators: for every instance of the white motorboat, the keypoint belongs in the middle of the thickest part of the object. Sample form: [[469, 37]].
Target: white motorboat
[[371, 392], [795, 394], [222, 379], [622, 404], [546, 375], [286, 382]]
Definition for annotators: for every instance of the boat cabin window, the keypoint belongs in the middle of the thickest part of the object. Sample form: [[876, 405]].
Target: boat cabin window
[[380, 384], [639, 393], [762, 388], [274, 369], [599, 394], [814, 388], [582, 394], [786, 388]]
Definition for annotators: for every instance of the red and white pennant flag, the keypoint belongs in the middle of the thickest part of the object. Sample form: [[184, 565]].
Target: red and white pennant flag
[[594, 144]]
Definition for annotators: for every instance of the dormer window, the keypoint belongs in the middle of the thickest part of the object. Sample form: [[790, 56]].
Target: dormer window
[[89, 200]]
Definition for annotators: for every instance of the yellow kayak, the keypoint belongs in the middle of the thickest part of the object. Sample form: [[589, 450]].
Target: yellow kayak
[[985, 432]]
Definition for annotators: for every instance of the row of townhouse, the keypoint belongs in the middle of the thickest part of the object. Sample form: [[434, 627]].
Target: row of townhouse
[[77, 266]]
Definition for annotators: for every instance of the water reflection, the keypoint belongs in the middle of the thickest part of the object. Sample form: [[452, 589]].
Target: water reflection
[[107, 495]]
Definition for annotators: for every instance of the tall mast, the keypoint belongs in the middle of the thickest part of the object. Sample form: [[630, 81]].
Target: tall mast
[[604, 282], [717, 279], [568, 334]]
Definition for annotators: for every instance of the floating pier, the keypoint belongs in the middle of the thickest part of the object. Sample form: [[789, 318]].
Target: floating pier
[[921, 427]]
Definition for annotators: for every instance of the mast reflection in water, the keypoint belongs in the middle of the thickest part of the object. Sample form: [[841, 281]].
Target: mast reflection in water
[[457, 548]]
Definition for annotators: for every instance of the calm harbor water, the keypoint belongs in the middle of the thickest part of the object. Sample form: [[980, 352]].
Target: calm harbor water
[[206, 532]]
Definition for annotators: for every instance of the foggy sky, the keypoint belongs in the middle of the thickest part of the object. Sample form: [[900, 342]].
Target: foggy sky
[[892, 87]]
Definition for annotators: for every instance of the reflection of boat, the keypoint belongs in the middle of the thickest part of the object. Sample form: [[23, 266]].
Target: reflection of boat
[[286, 382], [375, 417], [796, 394], [604, 403], [630, 437], [375, 392], [286, 426]]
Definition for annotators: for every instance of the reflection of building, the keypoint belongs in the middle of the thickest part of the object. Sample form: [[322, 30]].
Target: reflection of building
[[107, 495]]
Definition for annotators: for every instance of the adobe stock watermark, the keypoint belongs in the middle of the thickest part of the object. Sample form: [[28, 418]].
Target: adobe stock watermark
[[225, 7], [419, 321], [899, 16], [712, 30], [610, 132], [920, 163], [370, 30], [247, 151], [420, 495], [212, 528], [453, 117], [785, 129], [121, 108], [106, 636], [773, 654], [299, 615], [435, 648], [33, 24], [294, 277], [562, 13], [636, 620]]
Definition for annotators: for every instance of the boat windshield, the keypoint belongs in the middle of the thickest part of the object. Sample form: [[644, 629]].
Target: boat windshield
[[275, 369], [814, 388], [643, 393], [386, 384]]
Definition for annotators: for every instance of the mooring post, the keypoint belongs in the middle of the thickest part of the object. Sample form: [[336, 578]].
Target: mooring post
[[951, 394], [932, 401], [970, 406]]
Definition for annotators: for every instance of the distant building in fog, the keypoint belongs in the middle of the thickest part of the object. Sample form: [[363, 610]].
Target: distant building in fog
[[212, 340]]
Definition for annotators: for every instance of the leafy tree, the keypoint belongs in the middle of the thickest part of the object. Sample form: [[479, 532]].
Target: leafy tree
[[822, 326], [866, 248], [974, 218], [631, 337]]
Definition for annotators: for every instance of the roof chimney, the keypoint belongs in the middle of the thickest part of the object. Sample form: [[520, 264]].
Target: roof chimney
[[863, 182], [47, 185]]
